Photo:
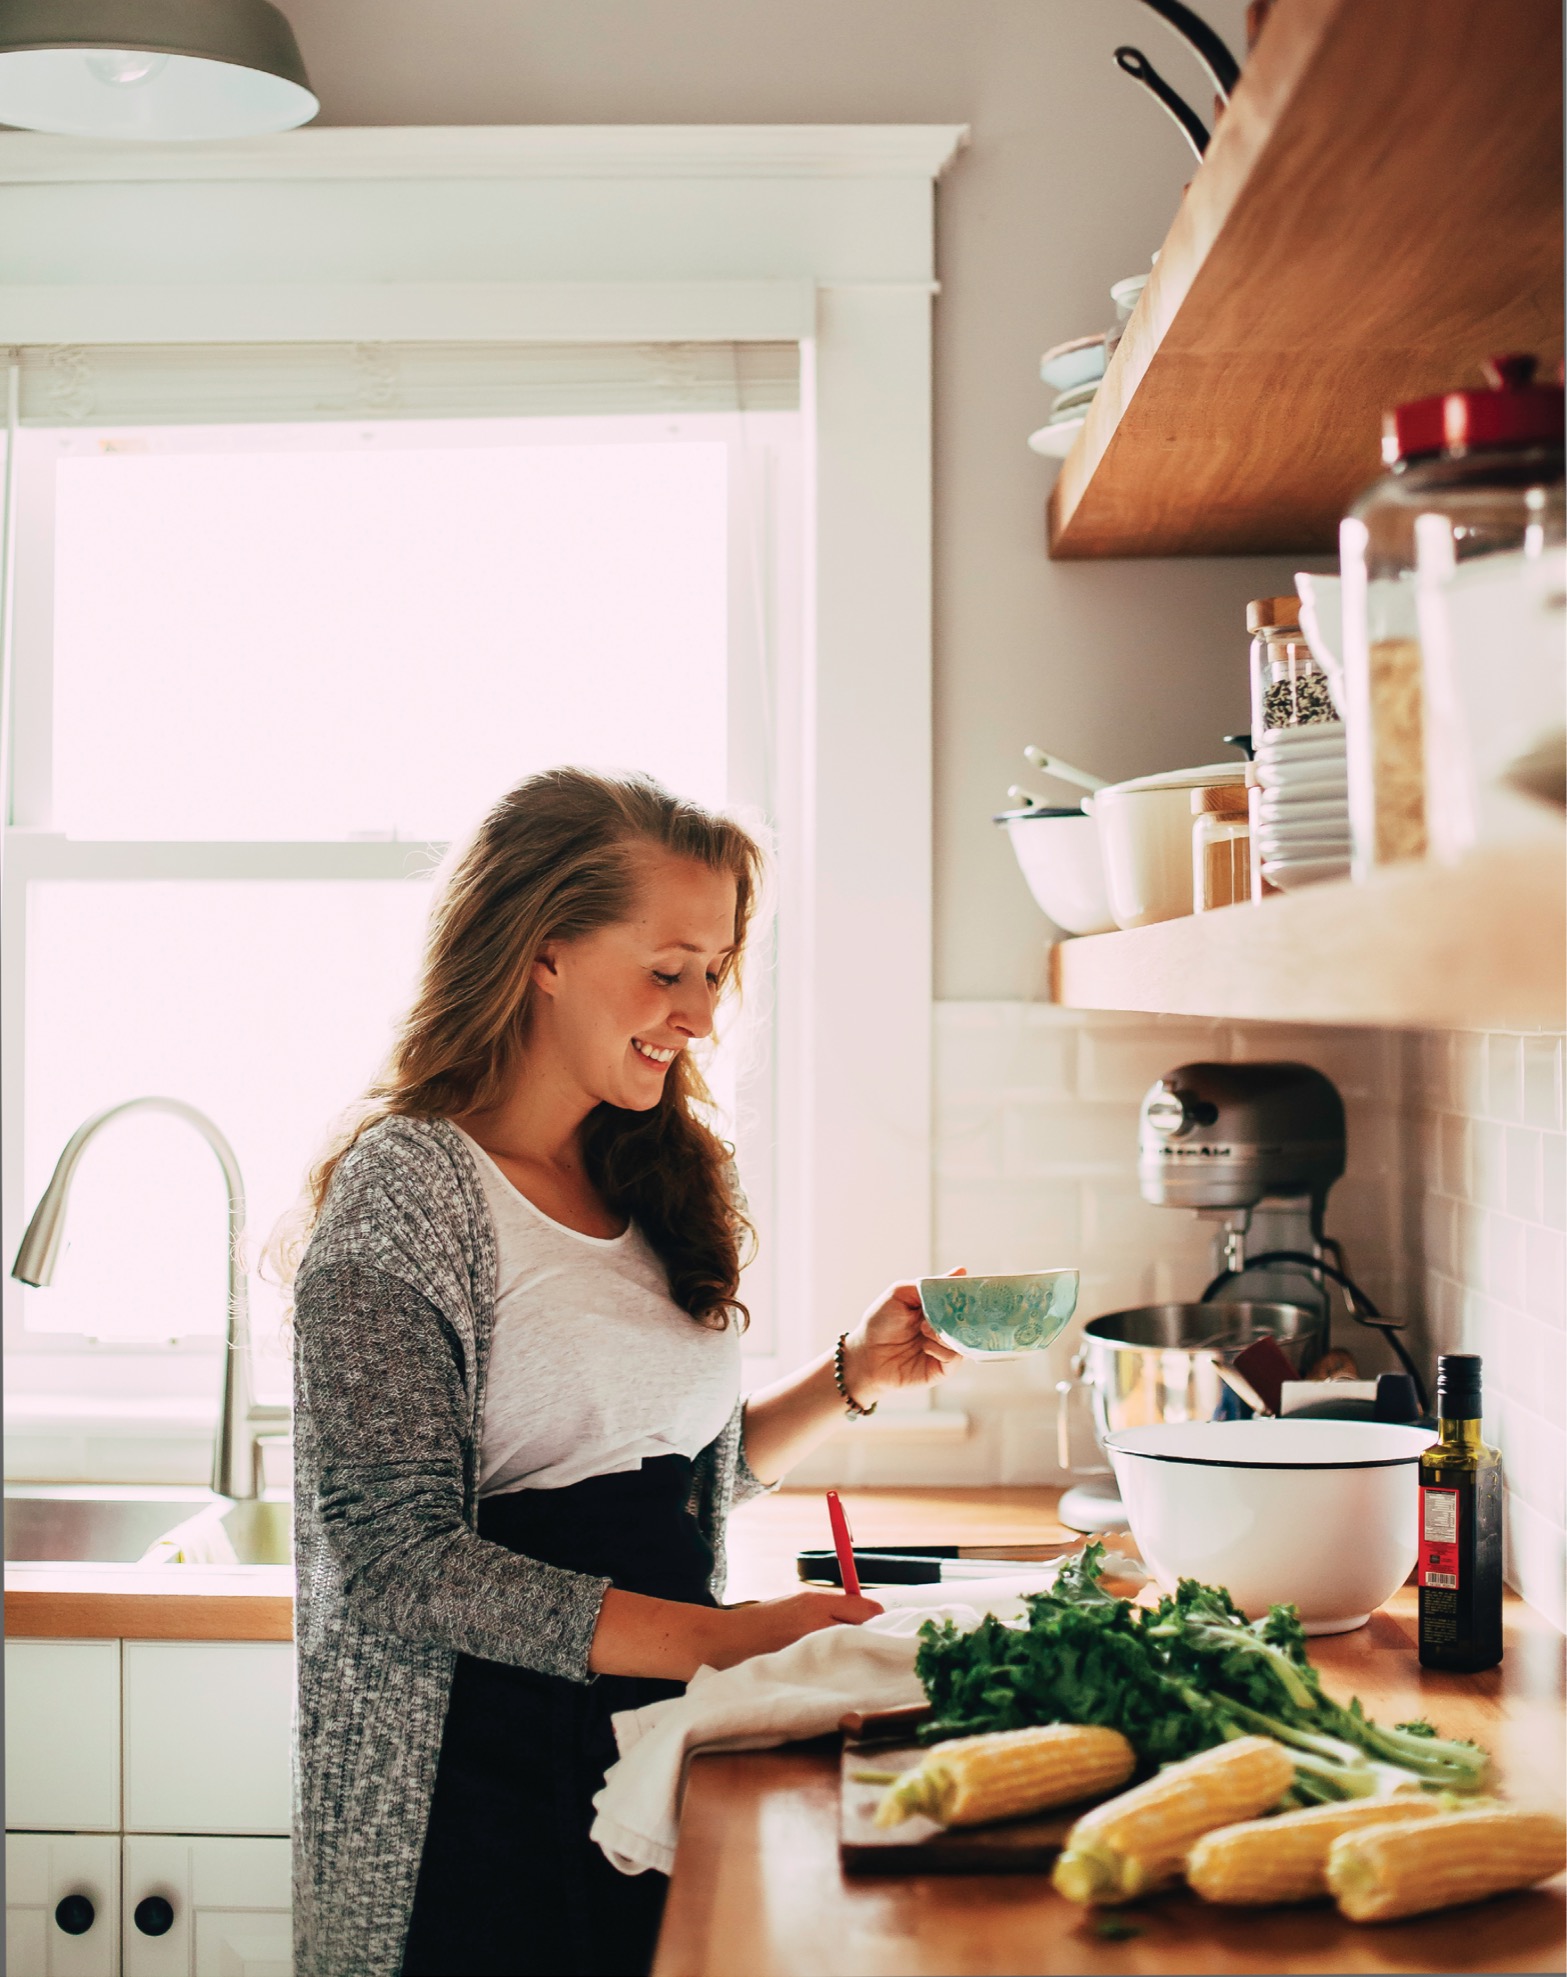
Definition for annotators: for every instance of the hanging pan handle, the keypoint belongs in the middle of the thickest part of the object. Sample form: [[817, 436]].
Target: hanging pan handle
[[1133, 62], [1205, 43]]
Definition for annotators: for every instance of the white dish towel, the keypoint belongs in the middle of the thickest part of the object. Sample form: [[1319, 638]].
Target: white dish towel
[[802, 1691]]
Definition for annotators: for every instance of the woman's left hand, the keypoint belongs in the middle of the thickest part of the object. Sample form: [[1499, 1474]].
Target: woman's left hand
[[892, 1347]]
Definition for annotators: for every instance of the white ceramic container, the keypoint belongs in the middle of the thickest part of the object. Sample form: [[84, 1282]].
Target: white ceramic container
[[1059, 853], [1319, 1513], [1145, 839]]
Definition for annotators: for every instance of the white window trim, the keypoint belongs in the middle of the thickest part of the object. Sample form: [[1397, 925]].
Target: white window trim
[[821, 234]]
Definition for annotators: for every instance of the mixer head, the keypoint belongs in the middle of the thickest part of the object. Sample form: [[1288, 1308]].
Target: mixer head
[[1231, 1135]]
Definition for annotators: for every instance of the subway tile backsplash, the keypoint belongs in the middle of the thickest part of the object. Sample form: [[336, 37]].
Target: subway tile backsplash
[[1453, 1212], [1488, 1200], [1036, 1164]]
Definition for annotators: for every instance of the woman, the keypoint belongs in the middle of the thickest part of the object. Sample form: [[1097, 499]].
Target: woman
[[518, 1428]]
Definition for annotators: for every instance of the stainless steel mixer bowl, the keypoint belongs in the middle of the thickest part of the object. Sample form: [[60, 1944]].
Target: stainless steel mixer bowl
[[1159, 1362]]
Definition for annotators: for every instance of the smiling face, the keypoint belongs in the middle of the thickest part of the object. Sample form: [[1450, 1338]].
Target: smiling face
[[614, 1008]]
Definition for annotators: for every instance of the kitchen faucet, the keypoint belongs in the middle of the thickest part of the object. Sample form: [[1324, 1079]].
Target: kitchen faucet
[[241, 1416]]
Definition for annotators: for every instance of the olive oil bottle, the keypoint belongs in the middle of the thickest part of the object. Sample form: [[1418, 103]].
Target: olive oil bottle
[[1460, 1569]]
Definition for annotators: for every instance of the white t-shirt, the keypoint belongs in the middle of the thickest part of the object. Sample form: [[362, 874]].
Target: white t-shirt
[[593, 1365]]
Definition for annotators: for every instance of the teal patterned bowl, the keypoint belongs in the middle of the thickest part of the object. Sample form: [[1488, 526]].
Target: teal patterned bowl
[[999, 1317]]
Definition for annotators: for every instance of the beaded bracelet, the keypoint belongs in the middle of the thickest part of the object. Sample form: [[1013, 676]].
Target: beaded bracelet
[[851, 1406]]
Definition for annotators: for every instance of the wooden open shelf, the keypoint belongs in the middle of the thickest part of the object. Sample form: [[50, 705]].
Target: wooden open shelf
[[1480, 946], [1379, 210]]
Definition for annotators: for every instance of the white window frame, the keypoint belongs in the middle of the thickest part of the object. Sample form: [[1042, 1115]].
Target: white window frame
[[817, 234]]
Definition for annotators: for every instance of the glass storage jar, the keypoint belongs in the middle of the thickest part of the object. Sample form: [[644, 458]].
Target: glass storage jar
[[1488, 464], [1288, 687], [1221, 846]]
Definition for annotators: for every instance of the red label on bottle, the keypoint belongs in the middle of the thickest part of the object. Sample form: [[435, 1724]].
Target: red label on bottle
[[1439, 1538]]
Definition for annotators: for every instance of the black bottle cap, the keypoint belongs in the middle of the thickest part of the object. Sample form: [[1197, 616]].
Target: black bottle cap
[[1458, 1386], [1396, 1399]]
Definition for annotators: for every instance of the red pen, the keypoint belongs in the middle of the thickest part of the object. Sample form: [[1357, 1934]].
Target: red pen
[[843, 1544]]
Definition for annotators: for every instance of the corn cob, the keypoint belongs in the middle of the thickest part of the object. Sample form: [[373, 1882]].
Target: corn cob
[[1136, 1842], [1262, 1861], [1382, 1872], [972, 1779]]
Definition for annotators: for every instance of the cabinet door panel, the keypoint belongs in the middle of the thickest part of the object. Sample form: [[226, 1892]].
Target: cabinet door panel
[[62, 1736], [207, 1728], [41, 1871], [230, 1899], [243, 1945]]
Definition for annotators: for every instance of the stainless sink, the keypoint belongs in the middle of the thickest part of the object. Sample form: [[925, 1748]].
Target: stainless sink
[[111, 1526], [126, 1525], [259, 1532]]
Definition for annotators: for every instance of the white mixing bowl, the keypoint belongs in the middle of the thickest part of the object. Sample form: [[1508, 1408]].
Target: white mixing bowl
[[1319, 1513], [1059, 853]]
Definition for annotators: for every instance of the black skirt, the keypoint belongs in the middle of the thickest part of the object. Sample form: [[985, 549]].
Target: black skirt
[[510, 1885]]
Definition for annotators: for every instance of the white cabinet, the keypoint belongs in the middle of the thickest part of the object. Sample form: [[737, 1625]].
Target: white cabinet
[[62, 1904], [220, 1907], [147, 1806], [62, 1736], [207, 1741]]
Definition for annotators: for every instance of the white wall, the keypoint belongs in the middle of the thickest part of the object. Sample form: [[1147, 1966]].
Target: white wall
[[1071, 181]]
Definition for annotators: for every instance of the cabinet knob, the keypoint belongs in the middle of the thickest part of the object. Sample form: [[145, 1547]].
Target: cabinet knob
[[75, 1915], [154, 1916]]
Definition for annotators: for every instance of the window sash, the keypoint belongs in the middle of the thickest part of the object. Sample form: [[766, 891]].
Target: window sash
[[67, 386]]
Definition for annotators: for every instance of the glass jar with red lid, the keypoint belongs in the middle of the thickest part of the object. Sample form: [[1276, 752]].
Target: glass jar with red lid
[[1472, 474]]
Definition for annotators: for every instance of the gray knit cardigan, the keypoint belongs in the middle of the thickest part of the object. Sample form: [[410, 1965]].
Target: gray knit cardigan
[[394, 1306]]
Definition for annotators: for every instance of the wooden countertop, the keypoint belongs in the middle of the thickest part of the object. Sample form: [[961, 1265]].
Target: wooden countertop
[[149, 1603], [757, 1886]]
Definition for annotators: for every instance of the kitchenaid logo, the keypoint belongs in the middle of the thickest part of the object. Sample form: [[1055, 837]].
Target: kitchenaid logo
[[1207, 1152]]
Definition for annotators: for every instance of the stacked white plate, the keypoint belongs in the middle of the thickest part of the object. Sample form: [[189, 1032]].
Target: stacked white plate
[[1303, 830]]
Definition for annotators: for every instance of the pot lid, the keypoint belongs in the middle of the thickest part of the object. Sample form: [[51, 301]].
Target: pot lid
[[1200, 778], [1511, 410], [1037, 810]]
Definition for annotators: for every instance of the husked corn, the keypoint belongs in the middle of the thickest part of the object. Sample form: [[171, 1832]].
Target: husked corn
[[1382, 1872], [972, 1779], [1134, 1843], [1262, 1861]]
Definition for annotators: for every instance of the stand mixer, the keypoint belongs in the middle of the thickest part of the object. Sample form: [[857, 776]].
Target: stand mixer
[[1254, 1148]]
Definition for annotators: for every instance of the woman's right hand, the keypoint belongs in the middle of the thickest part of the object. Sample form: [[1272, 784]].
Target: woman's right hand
[[764, 1626]]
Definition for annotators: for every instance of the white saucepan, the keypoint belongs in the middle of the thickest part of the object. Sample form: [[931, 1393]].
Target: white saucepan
[[1145, 838]]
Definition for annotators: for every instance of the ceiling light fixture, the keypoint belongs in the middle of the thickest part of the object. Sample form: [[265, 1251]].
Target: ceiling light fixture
[[151, 69]]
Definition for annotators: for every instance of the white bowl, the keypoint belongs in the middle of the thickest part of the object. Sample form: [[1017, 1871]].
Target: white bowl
[[1080, 361], [1059, 853], [1145, 836], [1055, 442], [1321, 1514]]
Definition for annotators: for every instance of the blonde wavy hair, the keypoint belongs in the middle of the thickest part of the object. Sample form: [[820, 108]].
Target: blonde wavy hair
[[556, 858]]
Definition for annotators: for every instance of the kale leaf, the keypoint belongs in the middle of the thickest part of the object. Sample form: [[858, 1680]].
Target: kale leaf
[[1175, 1679]]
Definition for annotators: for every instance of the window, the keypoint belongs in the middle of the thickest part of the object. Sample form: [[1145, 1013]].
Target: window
[[265, 672]]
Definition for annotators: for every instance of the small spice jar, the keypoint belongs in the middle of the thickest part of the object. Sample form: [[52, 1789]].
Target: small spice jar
[[1486, 466], [1221, 847], [1288, 687]]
